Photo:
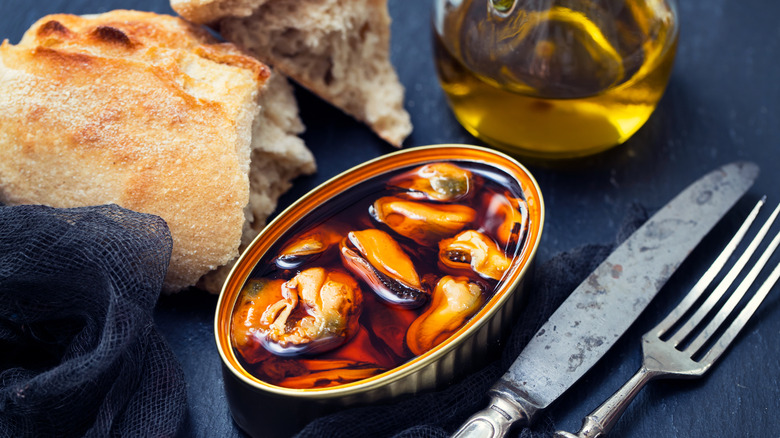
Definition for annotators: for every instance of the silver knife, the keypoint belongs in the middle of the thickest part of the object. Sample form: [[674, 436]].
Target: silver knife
[[600, 309]]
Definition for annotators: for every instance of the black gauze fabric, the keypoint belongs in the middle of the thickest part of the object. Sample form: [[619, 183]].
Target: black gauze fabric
[[80, 353], [439, 414]]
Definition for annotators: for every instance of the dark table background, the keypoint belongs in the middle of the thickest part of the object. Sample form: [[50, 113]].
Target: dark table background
[[721, 105]]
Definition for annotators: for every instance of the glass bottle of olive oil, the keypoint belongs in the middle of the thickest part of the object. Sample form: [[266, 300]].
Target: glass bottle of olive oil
[[554, 78]]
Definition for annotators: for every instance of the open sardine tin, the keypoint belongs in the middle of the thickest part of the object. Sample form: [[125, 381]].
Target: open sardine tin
[[267, 409]]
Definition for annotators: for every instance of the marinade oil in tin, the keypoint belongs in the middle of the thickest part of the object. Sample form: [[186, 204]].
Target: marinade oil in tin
[[380, 342]]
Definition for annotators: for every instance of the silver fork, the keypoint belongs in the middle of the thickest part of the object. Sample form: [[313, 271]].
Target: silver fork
[[665, 356]]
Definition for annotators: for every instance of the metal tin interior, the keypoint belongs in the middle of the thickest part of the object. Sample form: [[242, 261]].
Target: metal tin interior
[[247, 394]]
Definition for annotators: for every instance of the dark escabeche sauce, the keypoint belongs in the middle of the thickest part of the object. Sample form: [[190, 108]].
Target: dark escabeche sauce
[[378, 343]]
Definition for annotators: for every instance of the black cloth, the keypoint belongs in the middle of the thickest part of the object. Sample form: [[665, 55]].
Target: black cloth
[[80, 353], [439, 414]]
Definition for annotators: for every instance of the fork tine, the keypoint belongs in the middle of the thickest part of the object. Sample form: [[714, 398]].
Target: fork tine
[[724, 285], [708, 276], [732, 302], [742, 319]]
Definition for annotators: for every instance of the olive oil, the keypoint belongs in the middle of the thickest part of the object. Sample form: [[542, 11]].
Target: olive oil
[[567, 79]]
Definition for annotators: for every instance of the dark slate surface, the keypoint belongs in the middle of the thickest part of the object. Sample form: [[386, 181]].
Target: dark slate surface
[[721, 105]]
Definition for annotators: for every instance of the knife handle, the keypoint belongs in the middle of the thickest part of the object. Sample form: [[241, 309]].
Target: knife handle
[[493, 421]]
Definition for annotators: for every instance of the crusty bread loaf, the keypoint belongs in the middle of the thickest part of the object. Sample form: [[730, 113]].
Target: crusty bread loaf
[[339, 49], [149, 112]]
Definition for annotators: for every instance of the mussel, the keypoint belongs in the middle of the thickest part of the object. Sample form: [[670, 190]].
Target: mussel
[[247, 327], [436, 181], [341, 366], [455, 299], [508, 218], [425, 223], [322, 374], [319, 311], [476, 251], [381, 262], [307, 246]]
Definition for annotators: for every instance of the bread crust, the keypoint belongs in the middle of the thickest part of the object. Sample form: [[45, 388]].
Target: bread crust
[[137, 109]]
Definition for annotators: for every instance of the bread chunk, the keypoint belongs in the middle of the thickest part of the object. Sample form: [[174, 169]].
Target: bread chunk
[[151, 113], [339, 49]]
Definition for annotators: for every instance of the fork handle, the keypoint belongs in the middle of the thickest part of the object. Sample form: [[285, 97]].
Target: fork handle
[[600, 422]]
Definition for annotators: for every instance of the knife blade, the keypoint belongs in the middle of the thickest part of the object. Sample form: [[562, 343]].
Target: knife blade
[[607, 302]]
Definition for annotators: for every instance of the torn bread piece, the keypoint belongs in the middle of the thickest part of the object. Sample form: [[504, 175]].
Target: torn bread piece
[[339, 49], [151, 113]]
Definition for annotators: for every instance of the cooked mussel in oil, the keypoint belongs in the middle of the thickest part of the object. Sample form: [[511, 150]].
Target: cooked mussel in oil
[[381, 262], [476, 251], [424, 222], [319, 311], [248, 329], [309, 373], [436, 181], [508, 217], [308, 246], [455, 299]]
